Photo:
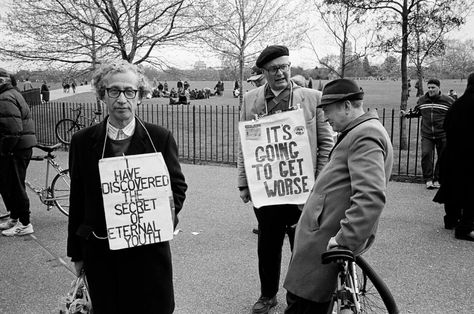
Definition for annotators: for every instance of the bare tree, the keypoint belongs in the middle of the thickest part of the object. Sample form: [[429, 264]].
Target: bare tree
[[400, 17], [240, 29], [81, 32], [340, 20], [428, 29]]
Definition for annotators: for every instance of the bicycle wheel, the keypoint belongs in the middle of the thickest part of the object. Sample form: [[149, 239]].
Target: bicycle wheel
[[373, 292], [64, 130], [60, 188]]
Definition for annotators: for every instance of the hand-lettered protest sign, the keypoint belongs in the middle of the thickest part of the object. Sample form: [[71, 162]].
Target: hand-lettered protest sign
[[137, 195], [277, 158]]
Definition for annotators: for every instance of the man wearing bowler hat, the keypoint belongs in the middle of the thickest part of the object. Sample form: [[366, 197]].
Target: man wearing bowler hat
[[345, 204], [277, 95]]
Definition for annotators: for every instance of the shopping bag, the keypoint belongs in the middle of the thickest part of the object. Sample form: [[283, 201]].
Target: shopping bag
[[77, 301]]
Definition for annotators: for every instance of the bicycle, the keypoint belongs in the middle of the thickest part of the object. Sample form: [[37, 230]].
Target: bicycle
[[56, 194], [359, 288], [66, 127]]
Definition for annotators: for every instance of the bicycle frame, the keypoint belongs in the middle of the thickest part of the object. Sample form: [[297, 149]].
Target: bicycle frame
[[348, 282], [45, 193]]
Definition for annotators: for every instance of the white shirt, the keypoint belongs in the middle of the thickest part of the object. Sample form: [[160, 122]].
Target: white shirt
[[120, 134]]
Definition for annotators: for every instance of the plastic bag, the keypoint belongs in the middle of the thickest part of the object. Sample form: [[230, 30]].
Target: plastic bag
[[77, 300]]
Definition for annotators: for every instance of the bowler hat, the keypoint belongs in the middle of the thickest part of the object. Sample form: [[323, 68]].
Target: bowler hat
[[257, 74], [4, 73], [339, 90], [270, 53]]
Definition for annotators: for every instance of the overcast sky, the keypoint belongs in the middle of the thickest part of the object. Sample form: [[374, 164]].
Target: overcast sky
[[303, 57]]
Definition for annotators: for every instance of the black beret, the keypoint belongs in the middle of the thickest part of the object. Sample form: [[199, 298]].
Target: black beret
[[339, 90], [270, 53]]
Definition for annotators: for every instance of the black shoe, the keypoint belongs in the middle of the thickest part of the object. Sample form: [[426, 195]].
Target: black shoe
[[468, 236], [263, 305], [255, 230]]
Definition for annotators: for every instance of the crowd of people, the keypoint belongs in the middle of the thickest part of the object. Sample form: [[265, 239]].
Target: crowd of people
[[341, 207]]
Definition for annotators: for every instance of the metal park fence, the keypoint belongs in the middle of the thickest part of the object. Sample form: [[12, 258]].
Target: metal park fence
[[209, 133]]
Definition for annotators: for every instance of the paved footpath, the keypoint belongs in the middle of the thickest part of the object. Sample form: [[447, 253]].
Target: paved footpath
[[214, 255], [59, 93]]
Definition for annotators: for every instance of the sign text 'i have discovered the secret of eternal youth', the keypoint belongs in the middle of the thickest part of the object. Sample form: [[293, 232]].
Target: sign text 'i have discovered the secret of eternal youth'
[[137, 200]]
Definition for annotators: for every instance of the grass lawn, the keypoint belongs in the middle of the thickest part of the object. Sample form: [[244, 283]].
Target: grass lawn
[[378, 94], [207, 131]]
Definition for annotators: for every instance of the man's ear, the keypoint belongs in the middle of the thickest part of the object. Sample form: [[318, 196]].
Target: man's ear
[[347, 105]]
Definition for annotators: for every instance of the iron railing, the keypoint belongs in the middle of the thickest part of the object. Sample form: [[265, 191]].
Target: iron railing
[[209, 133]]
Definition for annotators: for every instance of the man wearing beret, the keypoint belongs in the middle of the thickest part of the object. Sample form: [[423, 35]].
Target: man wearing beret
[[277, 95], [345, 204]]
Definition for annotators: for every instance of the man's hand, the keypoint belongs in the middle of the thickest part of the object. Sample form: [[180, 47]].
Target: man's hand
[[332, 243], [245, 195], [78, 267]]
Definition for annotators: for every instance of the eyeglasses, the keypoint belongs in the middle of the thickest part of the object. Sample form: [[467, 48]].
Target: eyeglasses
[[115, 93], [282, 67]]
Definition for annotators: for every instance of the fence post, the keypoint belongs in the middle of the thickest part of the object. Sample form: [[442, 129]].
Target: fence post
[[194, 134]]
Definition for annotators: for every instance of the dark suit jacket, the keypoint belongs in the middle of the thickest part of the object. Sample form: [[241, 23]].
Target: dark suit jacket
[[118, 278]]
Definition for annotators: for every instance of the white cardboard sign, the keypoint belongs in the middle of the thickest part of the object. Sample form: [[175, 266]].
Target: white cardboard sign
[[277, 158], [137, 197]]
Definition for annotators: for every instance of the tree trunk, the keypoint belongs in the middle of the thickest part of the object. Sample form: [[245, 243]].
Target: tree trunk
[[404, 95], [241, 75]]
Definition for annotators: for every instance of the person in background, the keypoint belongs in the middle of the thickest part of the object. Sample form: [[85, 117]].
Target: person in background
[[45, 92], [299, 80], [14, 82], [347, 199], [257, 79], [432, 107], [17, 139], [137, 279], [457, 167], [279, 94], [453, 94], [27, 84]]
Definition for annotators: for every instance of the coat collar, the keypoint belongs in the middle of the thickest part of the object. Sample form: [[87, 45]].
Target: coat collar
[[361, 119]]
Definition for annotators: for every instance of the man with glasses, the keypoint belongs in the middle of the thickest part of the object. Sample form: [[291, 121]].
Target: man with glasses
[[117, 277], [277, 95]]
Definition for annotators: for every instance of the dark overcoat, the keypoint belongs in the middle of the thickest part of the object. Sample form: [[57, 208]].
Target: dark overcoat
[[456, 164], [134, 280]]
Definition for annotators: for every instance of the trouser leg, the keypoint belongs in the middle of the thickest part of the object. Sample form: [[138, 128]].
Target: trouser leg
[[14, 195], [273, 223], [440, 146], [427, 154]]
